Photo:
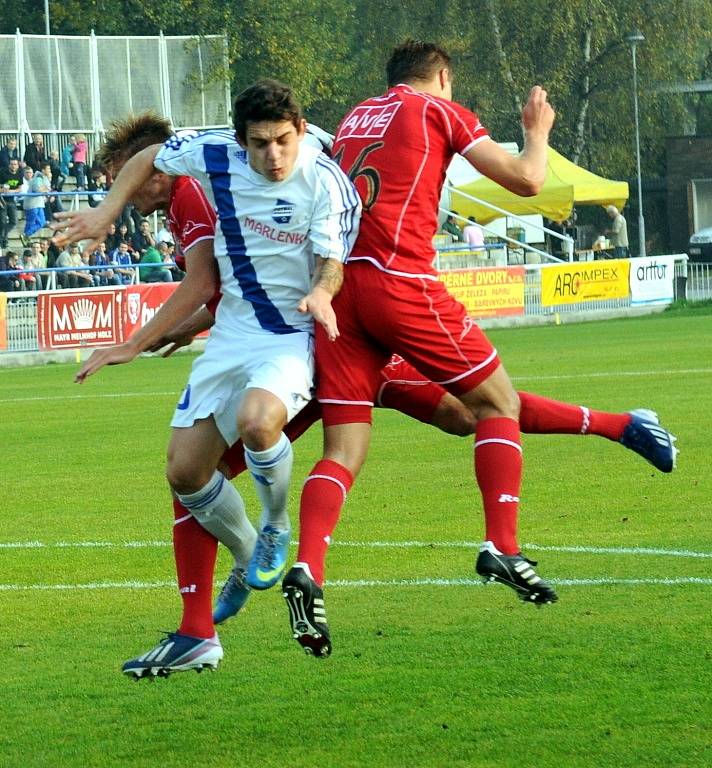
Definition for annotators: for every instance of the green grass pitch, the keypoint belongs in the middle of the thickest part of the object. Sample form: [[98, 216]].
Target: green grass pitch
[[430, 668]]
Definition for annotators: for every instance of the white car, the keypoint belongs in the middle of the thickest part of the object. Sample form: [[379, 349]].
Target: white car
[[700, 245]]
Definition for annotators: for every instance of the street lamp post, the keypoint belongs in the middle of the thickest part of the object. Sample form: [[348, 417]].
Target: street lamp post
[[633, 39]]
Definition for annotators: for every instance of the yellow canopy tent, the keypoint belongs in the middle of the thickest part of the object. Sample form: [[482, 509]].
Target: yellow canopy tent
[[566, 185]]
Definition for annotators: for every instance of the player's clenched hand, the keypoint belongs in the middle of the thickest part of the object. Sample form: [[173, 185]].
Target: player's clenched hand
[[318, 302], [538, 114], [91, 224], [122, 353]]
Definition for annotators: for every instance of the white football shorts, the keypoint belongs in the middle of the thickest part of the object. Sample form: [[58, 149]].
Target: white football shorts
[[281, 364]]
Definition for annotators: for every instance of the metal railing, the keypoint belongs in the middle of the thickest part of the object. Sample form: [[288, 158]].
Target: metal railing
[[692, 282]]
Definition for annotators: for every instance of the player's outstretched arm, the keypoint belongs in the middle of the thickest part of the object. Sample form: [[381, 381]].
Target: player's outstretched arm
[[328, 277], [193, 291], [93, 224], [184, 334], [523, 174]]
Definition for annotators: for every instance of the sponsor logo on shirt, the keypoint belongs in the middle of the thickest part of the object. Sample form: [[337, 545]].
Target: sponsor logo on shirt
[[272, 233], [368, 122], [282, 211]]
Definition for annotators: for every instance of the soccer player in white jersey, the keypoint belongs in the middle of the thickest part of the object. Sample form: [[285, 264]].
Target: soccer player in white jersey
[[287, 217]]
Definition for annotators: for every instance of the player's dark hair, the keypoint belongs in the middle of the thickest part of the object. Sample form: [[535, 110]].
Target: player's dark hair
[[265, 100], [415, 60], [129, 136]]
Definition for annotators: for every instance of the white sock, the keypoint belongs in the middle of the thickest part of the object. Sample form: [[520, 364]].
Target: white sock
[[271, 471], [219, 508]]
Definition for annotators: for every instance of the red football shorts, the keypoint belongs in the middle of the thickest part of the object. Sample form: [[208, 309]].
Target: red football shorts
[[379, 314]]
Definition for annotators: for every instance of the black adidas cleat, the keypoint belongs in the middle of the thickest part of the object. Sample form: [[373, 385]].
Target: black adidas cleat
[[649, 439], [306, 612], [517, 572]]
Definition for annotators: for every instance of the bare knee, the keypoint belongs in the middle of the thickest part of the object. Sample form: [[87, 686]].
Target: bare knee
[[454, 417], [186, 476], [258, 433]]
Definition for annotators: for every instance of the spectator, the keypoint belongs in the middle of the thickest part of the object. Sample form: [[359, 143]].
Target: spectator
[[9, 152], [112, 238], [618, 233], [39, 262], [73, 278], [50, 252], [34, 203], [65, 162], [142, 239], [153, 274], [58, 178], [97, 185], [451, 227], [53, 203], [164, 234], [168, 254], [121, 256], [93, 275], [33, 281], [10, 282], [10, 184], [35, 154], [79, 159], [100, 258], [472, 233]]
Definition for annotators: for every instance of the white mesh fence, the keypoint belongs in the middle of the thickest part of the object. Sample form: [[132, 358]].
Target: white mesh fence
[[55, 85]]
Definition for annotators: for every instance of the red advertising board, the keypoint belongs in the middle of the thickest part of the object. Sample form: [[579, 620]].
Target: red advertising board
[[142, 303], [76, 318]]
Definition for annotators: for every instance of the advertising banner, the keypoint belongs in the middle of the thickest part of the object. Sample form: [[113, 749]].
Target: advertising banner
[[142, 303], [651, 280], [584, 281], [74, 319], [3, 321], [487, 292]]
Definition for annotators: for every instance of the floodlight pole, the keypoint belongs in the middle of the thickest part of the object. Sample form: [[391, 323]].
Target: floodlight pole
[[633, 39], [46, 15]]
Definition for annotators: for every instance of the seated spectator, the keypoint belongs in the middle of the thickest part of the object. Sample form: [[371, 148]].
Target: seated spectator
[[472, 233], [451, 228], [100, 258], [156, 273], [39, 262], [50, 252], [168, 254], [10, 187], [34, 202], [112, 238], [97, 184], [9, 152], [58, 178], [35, 154], [9, 283], [121, 257], [75, 277], [80, 149], [164, 234], [32, 279], [93, 274], [143, 239]]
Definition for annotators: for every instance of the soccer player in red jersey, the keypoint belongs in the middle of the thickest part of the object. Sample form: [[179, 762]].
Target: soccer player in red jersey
[[191, 219], [396, 148]]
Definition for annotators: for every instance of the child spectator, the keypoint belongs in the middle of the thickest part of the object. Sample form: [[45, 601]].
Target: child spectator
[[10, 282], [79, 159], [32, 280], [34, 203]]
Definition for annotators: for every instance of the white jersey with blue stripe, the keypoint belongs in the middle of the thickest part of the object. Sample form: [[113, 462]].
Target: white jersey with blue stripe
[[268, 233]]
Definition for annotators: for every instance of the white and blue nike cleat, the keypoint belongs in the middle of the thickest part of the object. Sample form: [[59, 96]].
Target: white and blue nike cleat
[[269, 558], [232, 596], [649, 439], [176, 653]]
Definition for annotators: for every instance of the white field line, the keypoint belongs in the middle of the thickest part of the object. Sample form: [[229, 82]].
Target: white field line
[[88, 394], [604, 581], [657, 552]]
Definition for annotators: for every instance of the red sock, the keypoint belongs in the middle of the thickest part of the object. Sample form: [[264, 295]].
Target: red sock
[[498, 468], [541, 416], [323, 496], [195, 553]]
